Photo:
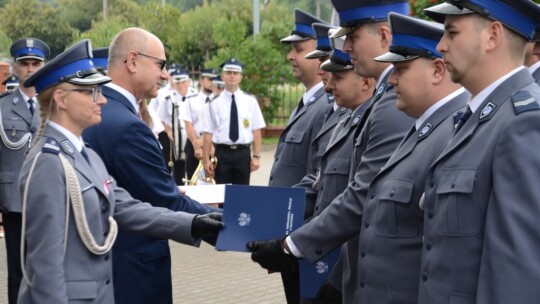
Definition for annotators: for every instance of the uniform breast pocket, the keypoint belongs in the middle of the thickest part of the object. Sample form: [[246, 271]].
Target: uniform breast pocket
[[15, 129], [457, 214], [295, 156], [81, 290], [394, 209], [336, 177]]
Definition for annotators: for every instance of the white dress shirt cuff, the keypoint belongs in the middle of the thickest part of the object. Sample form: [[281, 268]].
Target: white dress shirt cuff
[[294, 250]]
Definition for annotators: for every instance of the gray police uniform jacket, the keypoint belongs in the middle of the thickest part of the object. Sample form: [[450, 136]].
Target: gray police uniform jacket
[[77, 275], [391, 245], [383, 130], [293, 153], [536, 76], [482, 207], [16, 121], [318, 146]]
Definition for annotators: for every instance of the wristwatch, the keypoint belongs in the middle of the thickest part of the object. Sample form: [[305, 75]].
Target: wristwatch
[[256, 156]]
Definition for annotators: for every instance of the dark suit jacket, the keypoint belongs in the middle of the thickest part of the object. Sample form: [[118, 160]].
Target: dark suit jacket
[[133, 157], [394, 237], [482, 204]]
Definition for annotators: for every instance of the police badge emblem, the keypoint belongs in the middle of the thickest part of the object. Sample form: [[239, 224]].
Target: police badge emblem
[[245, 122]]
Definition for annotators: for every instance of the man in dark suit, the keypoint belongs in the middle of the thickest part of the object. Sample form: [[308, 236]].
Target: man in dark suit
[[482, 195], [141, 265], [19, 114]]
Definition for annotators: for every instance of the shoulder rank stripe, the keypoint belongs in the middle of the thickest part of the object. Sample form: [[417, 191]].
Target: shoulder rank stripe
[[51, 146], [523, 102]]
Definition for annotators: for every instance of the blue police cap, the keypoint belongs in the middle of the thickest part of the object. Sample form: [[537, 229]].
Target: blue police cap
[[323, 42], [339, 60], [521, 16], [101, 58], [302, 27], [173, 66], [29, 48], [353, 14], [210, 73], [232, 65], [74, 65], [218, 81], [412, 38], [11, 83], [180, 74]]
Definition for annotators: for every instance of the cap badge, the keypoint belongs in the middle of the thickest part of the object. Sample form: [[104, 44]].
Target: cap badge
[[30, 43]]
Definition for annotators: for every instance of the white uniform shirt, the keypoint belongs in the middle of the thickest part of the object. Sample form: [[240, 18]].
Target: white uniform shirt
[[164, 111], [250, 118], [194, 110]]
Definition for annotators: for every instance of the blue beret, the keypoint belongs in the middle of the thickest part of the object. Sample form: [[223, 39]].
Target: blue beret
[[29, 48], [521, 16], [302, 27], [74, 65], [412, 38]]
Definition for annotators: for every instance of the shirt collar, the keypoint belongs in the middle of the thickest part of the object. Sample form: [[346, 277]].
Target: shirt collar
[[126, 93], [420, 121], [534, 67], [25, 97], [76, 141], [477, 100], [383, 75], [229, 94], [307, 95]]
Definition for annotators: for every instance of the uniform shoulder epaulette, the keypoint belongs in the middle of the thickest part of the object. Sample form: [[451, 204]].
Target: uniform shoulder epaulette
[[214, 98], [523, 101], [5, 94], [51, 146], [330, 97]]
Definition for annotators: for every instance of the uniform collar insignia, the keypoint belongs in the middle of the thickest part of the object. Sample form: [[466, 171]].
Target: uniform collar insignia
[[425, 130], [356, 120], [66, 146], [15, 100], [487, 110], [380, 90]]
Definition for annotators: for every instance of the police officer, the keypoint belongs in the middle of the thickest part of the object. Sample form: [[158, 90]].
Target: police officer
[[233, 123], [368, 35], [217, 85], [20, 119], [11, 83], [169, 110], [351, 91], [393, 220], [193, 119], [481, 196]]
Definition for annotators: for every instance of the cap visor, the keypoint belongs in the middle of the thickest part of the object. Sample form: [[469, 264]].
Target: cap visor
[[96, 78], [208, 75], [342, 31], [439, 12], [317, 54], [393, 57], [330, 66], [29, 57], [294, 38]]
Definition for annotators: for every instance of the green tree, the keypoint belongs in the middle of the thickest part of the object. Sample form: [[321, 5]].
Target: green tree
[[160, 20], [5, 45], [102, 32], [79, 14], [43, 24]]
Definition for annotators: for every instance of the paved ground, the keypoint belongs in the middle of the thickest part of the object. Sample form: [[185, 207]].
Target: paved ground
[[203, 275]]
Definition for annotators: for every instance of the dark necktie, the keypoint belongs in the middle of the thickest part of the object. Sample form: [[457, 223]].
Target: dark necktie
[[411, 132], [183, 98], [207, 99], [300, 105], [329, 114], [463, 119], [85, 155], [31, 106], [233, 126]]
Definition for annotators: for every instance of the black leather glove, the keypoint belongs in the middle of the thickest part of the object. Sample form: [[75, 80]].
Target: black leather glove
[[328, 294], [270, 255], [206, 225]]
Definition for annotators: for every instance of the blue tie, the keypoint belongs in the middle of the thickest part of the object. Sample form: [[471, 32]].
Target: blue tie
[[85, 155], [233, 126], [31, 106], [464, 117]]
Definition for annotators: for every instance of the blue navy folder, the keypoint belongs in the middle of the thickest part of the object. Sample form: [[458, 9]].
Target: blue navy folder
[[312, 276], [254, 213]]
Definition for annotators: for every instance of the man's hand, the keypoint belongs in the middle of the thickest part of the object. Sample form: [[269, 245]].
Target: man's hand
[[328, 294], [270, 255], [254, 164], [207, 225]]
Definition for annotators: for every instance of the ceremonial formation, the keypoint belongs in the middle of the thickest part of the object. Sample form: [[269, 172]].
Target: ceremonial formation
[[406, 172]]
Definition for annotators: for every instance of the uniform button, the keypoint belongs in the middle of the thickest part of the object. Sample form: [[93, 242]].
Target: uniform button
[[32, 130], [104, 209], [277, 158], [372, 195], [108, 281], [428, 245], [271, 177], [432, 183], [362, 284], [107, 256], [453, 185], [316, 208], [430, 214], [318, 252], [362, 253], [366, 224], [424, 276], [105, 233]]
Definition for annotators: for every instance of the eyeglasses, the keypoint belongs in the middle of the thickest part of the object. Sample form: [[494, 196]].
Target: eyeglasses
[[95, 91], [159, 61]]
